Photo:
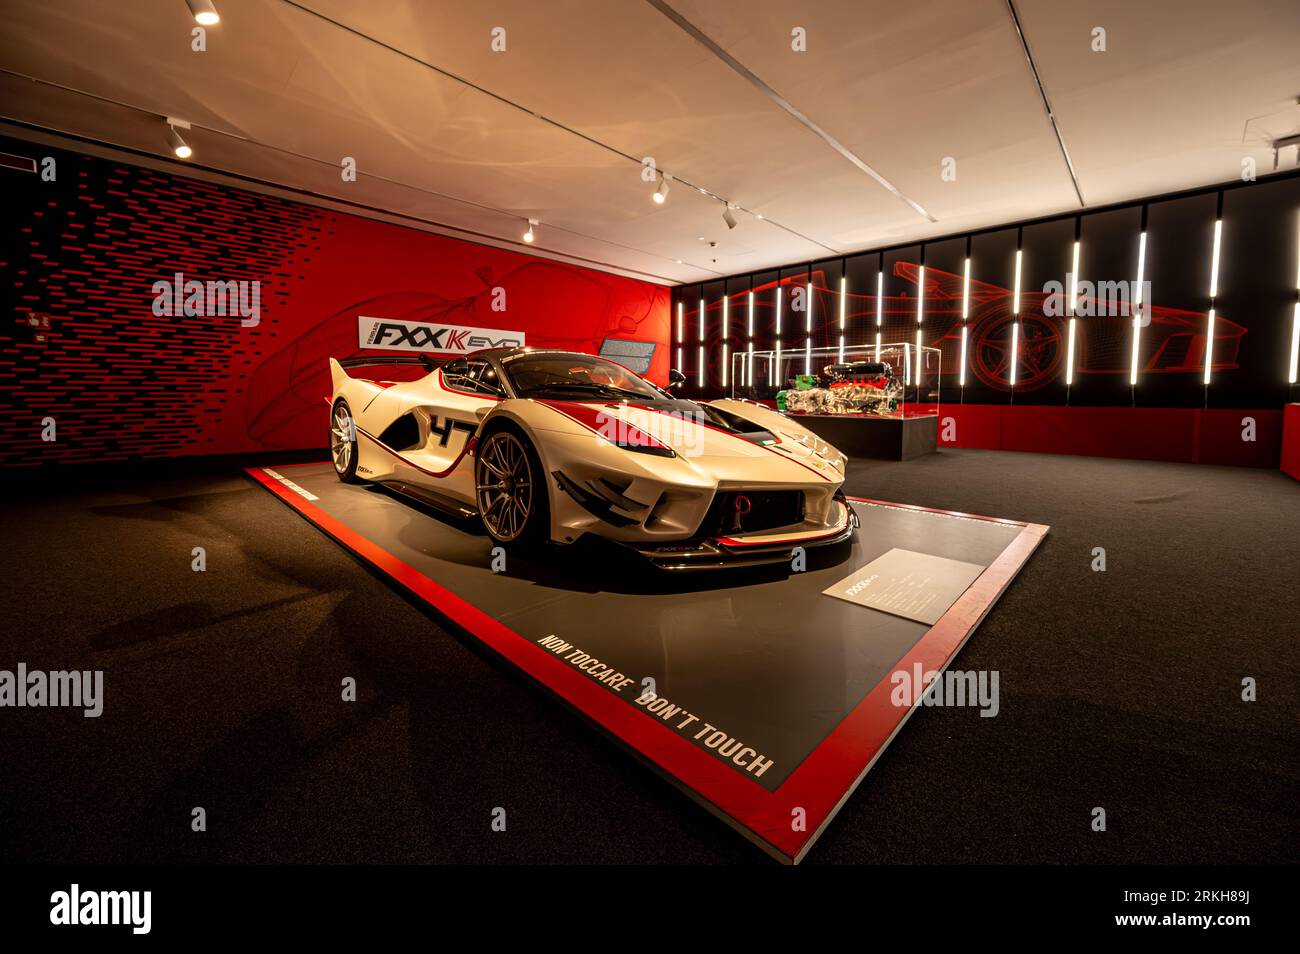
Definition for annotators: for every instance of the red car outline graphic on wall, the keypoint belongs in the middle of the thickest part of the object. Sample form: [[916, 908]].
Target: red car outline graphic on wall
[[1172, 342]]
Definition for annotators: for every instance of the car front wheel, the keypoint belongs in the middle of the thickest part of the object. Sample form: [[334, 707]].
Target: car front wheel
[[510, 488]]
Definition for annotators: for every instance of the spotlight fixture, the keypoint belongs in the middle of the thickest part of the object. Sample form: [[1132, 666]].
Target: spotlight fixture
[[205, 14], [661, 193], [728, 216], [530, 234], [178, 145]]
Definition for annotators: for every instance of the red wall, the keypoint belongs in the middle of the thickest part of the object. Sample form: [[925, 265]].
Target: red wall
[[1189, 435], [82, 345]]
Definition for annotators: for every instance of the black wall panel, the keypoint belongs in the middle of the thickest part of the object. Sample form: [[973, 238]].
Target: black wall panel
[[1259, 263], [1259, 260]]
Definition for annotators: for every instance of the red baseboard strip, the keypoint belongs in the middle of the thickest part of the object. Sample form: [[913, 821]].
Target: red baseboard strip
[[1290, 462], [1239, 437]]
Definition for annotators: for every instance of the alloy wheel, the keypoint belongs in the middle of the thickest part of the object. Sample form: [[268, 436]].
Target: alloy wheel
[[342, 439], [504, 486]]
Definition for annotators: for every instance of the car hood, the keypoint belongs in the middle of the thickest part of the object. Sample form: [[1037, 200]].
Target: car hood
[[774, 449]]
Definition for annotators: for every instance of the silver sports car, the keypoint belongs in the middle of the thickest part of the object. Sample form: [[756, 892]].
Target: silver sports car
[[551, 445]]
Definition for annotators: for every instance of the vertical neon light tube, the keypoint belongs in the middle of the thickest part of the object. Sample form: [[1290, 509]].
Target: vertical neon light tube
[[1295, 327], [965, 291], [726, 331], [844, 291], [1214, 293], [776, 354], [920, 315], [1295, 342], [907, 363], [880, 307], [1015, 322], [1015, 300], [920, 294], [961, 374], [1209, 343], [1072, 305], [681, 332], [1069, 354], [1138, 291], [1214, 259], [965, 313], [1015, 341], [749, 333], [807, 328], [1074, 279], [699, 350]]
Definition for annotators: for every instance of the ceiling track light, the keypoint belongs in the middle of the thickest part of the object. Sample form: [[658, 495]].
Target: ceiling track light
[[205, 14], [178, 145], [729, 217], [661, 193], [530, 234]]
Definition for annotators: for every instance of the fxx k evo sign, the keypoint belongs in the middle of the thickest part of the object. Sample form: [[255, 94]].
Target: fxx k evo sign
[[395, 334]]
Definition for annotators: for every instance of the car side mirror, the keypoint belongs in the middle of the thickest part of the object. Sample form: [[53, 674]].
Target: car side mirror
[[675, 379]]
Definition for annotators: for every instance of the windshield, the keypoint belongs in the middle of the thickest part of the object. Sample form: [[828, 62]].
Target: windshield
[[574, 375]]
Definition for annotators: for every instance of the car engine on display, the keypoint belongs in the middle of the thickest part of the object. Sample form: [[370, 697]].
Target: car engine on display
[[859, 387], [546, 445]]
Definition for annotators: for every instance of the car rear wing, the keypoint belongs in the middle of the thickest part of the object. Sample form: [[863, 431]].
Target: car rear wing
[[427, 360]]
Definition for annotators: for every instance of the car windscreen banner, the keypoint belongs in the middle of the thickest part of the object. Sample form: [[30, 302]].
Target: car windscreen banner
[[397, 334]]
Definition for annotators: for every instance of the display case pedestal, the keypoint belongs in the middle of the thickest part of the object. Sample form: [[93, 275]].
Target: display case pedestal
[[882, 438]]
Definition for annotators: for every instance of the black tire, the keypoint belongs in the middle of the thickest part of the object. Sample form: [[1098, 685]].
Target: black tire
[[510, 489], [343, 442]]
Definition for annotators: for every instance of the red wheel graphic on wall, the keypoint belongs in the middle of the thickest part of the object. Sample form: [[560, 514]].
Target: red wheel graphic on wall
[[1039, 351]]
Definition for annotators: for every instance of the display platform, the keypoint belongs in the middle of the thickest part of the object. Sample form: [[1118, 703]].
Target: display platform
[[876, 436], [753, 690]]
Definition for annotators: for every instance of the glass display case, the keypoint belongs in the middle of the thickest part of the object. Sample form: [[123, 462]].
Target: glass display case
[[890, 380]]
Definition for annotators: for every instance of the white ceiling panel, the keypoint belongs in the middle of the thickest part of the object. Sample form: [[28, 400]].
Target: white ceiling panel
[[447, 131]]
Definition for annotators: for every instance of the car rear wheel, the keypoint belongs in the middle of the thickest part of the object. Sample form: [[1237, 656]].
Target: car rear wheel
[[343, 443], [510, 488]]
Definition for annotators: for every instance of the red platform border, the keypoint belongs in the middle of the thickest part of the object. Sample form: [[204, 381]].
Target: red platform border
[[818, 786]]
